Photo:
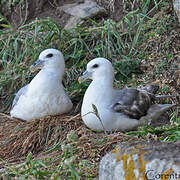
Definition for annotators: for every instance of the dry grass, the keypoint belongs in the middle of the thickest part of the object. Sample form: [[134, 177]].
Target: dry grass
[[33, 136], [41, 135]]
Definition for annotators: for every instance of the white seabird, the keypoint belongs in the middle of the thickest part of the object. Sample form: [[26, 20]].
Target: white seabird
[[105, 108], [45, 94]]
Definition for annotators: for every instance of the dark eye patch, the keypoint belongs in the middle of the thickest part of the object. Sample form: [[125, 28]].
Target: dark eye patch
[[95, 66], [49, 55]]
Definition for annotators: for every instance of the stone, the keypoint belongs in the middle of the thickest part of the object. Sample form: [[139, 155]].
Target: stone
[[80, 11], [141, 160], [72, 22], [84, 10], [176, 4]]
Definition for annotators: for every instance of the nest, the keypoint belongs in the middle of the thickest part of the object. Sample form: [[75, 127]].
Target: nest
[[18, 138]]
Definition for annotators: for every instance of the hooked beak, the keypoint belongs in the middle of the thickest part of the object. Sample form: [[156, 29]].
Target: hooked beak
[[86, 75], [38, 63]]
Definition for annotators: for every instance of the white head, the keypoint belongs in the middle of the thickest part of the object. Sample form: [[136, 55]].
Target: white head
[[50, 59], [98, 69]]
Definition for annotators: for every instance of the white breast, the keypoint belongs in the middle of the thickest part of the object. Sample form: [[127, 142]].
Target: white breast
[[101, 99], [45, 96]]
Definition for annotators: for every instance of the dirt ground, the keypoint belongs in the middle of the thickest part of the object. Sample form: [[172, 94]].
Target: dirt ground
[[44, 8]]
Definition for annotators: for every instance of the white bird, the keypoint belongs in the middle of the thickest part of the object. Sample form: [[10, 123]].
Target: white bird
[[45, 94], [105, 108]]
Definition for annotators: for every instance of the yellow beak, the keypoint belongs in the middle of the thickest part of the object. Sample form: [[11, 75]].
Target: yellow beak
[[80, 80], [86, 75]]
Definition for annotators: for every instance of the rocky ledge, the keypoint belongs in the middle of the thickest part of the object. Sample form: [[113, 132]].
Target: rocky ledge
[[141, 160]]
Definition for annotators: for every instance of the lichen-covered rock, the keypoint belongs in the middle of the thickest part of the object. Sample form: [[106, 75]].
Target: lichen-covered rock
[[141, 160], [176, 4]]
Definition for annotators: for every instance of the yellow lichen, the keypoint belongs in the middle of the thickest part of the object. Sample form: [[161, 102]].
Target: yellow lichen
[[131, 167], [166, 175], [142, 169], [125, 159], [118, 157], [129, 163], [116, 151]]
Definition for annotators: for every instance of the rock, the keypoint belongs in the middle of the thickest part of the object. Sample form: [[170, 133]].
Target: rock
[[80, 11], [72, 22], [176, 4], [84, 10], [141, 160]]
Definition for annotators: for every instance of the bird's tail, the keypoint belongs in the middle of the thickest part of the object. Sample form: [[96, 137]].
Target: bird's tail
[[152, 89], [156, 110], [165, 96]]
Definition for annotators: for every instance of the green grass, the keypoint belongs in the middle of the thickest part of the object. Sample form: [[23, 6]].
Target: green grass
[[19, 48], [67, 165], [125, 43], [164, 133]]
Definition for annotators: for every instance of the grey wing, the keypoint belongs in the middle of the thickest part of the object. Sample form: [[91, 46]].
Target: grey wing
[[132, 102], [18, 94]]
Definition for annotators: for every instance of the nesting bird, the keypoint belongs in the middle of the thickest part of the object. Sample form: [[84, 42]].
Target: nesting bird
[[105, 108], [45, 94]]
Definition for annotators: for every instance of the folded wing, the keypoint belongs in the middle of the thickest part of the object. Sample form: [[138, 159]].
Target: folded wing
[[135, 102], [22, 91]]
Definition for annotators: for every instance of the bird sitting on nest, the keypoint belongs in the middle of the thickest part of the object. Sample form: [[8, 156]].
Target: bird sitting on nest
[[45, 94], [105, 108]]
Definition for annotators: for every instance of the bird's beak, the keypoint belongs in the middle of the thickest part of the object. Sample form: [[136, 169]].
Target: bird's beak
[[86, 75], [39, 62], [37, 65]]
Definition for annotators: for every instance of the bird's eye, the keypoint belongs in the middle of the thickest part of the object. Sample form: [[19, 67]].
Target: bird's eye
[[95, 66], [49, 55]]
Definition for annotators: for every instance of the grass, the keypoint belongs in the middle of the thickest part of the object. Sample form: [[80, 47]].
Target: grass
[[20, 48], [44, 169], [139, 37]]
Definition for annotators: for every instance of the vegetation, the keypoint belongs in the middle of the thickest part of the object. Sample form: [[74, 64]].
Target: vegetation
[[128, 44]]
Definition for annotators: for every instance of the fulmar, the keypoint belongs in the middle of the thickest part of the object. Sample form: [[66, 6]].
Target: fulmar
[[106, 108], [45, 94]]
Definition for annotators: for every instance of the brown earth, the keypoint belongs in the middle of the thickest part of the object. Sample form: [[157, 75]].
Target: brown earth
[[32, 9], [44, 8]]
